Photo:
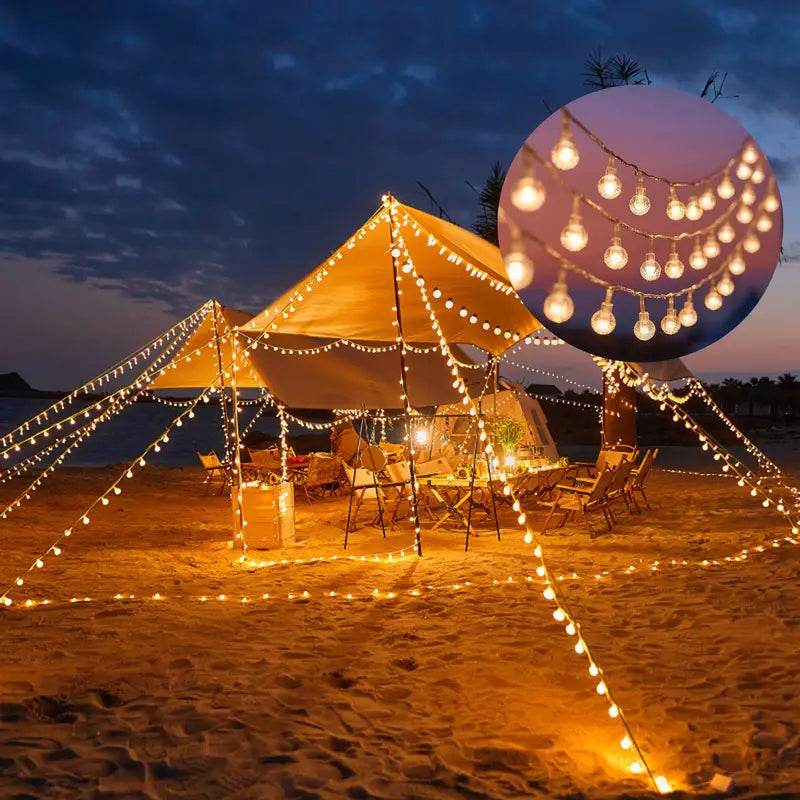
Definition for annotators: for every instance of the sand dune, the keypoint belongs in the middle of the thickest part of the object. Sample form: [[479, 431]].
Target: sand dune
[[455, 693]]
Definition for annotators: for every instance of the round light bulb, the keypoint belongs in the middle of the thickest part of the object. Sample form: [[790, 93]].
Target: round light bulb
[[650, 269], [725, 188], [603, 320], [687, 315], [639, 204], [758, 175], [574, 236], [670, 323], [697, 258], [610, 186], [558, 305], [763, 223], [645, 328], [736, 264], [616, 256], [707, 199], [725, 286], [676, 210], [693, 209], [713, 300], [750, 243], [565, 154], [743, 171], [771, 202], [750, 153], [519, 268], [528, 194], [726, 233], [674, 266], [748, 194], [744, 214], [710, 247]]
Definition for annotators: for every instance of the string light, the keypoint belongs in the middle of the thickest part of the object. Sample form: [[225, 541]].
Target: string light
[[707, 199], [750, 243], [711, 247], [603, 321], [744, 214], [529, 193], [693, 209], [644, 329], [650, 269], [676, 210], [615, 256], [565, 154], [558, 306], [771, 202], [697, 258], [743, 171], [670, 323], [748, 195], [725, 188], [640, 203], [519, 266], [764, 222], [687, 316], [610, 186], [574, 235], [726, 233], [725, 285], [674, 266], [713, 299]]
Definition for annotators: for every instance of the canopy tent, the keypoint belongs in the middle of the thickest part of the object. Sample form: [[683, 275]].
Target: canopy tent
[[512, 402], [311, 372], [352, 293]]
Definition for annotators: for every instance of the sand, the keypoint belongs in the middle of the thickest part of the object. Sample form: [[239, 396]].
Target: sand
[[455, 693]]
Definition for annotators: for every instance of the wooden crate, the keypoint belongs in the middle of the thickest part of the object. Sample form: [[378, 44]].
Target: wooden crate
[[269, 513]]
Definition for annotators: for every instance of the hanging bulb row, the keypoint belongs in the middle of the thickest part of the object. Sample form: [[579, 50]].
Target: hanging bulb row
[[473, 318]]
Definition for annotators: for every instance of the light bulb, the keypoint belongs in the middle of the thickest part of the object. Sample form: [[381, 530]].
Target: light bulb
[[529, 193], [615, 256], [687, 315], [676, 210], [674, 266], [645, 328], [640, 203], [758, 175], [713, 300], [707, 199], [750, 153], [725, 188], [697, 258], [574, 236], [725, 285], [565, 154], [610, 186], [771, 202], [750, 243], [650, 269], [743, 171], [726, 233], [603, 321], [670, 323], [748, 194], [519, 267], [764, 222], [744, 214], [693, 209], [558, 305], [736, 264], [710, 247]]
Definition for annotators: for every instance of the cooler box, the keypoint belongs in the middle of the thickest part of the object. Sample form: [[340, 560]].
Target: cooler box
[[269, 514]]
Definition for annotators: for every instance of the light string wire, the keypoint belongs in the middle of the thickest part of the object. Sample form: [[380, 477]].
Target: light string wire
[[608, 151], [56, 547], [124, 363], [550, 592]]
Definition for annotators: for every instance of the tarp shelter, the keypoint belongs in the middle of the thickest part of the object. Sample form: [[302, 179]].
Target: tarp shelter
[[352, 293], [510, 401]]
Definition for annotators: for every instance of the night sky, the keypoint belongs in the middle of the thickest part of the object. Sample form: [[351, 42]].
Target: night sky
[[154, 154]]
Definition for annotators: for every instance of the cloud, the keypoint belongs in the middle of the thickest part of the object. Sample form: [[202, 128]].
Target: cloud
[[126, 182]]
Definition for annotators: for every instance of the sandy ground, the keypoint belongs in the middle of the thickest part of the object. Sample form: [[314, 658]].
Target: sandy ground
[[455, 693]]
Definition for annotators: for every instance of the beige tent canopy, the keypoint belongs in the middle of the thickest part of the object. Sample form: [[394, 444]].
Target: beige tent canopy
[[351, 294], [311, 372]]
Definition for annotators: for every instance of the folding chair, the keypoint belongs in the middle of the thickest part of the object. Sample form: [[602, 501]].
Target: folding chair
[[637, 482], [214, 469], [574, 499]]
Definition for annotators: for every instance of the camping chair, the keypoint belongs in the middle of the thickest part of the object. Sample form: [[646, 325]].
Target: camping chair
[[637, 482], [607, 457], [214, 469], [347, 443], [323, 476], [573, 499], [619, 486], [539, 485]]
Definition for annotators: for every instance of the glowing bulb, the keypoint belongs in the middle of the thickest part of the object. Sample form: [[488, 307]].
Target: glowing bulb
[[736, 265], [565, 154], [610, 186], [711, 246], [625, 743], [558, 305], [697, 258], [645, 328], [693, 209], [750, 153], [707, 199], [713, 300], [559, 615], [750, 243], [670, 323], [519, 267], [421, 436], [448, 303], [650, 269], [636, 767], [771, 202], [574, 236], [758, 175], [603, 321], [725, 285], [748, 194], [615, 256], [743, 171], [674, 266], [726, 233], [601, 688], [437, 293], [662, 784], [640, 203], [726, 189], [763, 223], [676, 210], [744, 214], [529, 193]]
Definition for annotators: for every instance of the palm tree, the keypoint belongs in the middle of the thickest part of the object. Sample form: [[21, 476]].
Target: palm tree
[[489, 198], [787, 379]]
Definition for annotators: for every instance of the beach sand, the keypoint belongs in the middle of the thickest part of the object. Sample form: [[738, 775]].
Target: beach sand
[[455, 693]]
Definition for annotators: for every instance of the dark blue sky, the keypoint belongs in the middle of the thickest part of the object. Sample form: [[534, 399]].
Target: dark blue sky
[[167, 151]]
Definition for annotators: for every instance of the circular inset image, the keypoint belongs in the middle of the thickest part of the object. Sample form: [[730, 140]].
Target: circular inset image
[[640, 223]]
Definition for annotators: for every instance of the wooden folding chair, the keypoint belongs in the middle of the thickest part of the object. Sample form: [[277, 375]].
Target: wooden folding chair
[[214, 469], [584, 500], [637, 482]]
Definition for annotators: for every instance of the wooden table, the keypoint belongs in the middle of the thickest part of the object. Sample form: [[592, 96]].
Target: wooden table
[[454, 492]]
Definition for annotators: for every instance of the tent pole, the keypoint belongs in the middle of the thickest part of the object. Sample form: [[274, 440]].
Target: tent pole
[[236, 495], [472, 484], [353, 484], [404, 381]]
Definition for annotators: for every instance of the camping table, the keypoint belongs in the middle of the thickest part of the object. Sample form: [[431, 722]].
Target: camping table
[[453, 492]]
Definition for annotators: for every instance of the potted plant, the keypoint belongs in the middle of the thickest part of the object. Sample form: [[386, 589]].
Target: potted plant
[[508, 434]]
